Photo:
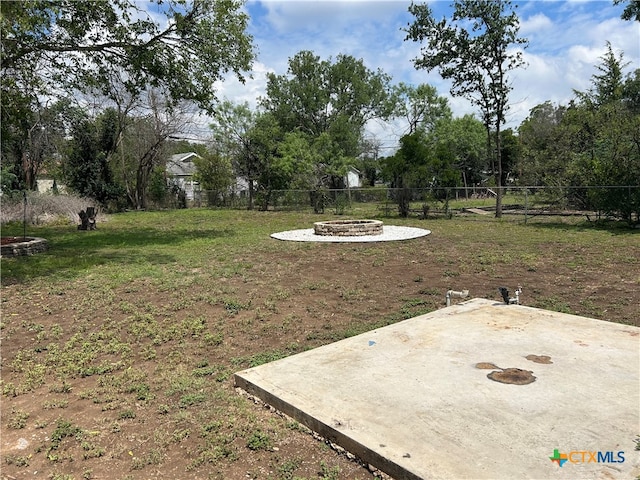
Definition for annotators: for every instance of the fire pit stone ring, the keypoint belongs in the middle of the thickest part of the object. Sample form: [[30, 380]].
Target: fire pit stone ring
[[348, 228]]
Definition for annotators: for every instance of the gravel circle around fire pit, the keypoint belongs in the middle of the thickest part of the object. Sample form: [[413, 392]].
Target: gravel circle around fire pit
[[389, 233]]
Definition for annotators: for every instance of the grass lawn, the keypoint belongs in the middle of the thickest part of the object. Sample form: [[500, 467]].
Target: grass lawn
[[119, 345]]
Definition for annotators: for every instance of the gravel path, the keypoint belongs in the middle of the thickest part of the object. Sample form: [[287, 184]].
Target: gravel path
[[389, 233]]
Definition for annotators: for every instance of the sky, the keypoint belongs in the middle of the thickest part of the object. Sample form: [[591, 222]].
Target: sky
[[566, 40]]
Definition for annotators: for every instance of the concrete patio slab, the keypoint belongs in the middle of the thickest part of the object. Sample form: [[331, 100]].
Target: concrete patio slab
[[415, 398]]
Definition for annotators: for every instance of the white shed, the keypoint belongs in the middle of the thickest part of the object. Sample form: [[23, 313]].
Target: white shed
[[352, 178]]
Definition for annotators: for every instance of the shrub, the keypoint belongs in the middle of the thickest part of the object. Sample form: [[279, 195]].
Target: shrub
[[45, 208]]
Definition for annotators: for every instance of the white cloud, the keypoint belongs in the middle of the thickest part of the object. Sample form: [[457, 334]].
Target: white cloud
[[535, 24], [250, 91]]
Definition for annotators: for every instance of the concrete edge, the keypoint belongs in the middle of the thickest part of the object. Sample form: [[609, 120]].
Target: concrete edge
[[331, 434]]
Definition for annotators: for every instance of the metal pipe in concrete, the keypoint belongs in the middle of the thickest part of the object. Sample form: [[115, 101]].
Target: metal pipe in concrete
[[456, 294]]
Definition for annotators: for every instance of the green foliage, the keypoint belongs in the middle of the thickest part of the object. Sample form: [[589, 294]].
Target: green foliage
[[191, 399], [329, 473], [158, 187], [420, 106], [18, 460], [259, 440], [232, 127], [134, 55], [264, 139], [594, 141], [18, 419], [8, 180], [64, 429], [465, 138], [318, 93], [606, 87], [215, 174], [186, 54], [86, 169], [473, 51], [31, 136], [421, 162], [631, 10], [296, 161], [265, 357], [127, 414], [510, 154], [329, 103]]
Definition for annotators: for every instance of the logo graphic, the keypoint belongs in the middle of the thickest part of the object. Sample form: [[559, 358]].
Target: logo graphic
[[584, 456], [559, 458]]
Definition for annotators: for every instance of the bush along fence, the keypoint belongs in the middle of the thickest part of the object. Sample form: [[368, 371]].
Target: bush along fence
[[593, 202]]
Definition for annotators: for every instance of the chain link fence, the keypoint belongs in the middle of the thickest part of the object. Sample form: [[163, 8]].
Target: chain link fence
[[592, 202]]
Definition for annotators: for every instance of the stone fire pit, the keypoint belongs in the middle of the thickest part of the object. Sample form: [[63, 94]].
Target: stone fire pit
[[348, 228], [351, 231], [17, 246]]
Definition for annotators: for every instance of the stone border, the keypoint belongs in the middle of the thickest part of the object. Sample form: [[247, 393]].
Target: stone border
[[31, 247], [348, 228], [390, 233]]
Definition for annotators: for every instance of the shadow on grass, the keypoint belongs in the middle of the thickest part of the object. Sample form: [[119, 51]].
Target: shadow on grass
[[71, 252], [613, 227]]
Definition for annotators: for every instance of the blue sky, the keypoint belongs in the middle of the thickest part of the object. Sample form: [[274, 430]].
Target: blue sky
[[566, 41]]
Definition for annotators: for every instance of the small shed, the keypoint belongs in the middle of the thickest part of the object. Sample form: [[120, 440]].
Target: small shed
[[180, 172], [352, 178]]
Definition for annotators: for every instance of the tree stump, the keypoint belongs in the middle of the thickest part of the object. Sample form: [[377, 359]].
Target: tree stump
[[87, 219]]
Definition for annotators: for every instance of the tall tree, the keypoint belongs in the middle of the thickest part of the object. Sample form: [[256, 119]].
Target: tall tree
[[215, 175], [476, 50], [264, 140], [63, 47], [540, 134], [421, 162], [31, 135], [607, 87], [141, 147], [607, 147], [369, 160], [329, 100], [407, 168], [85, 167], [631, 91], [420, 106], [511, 153], [77, 44], [231, 129], [465, 138], [594, 141]]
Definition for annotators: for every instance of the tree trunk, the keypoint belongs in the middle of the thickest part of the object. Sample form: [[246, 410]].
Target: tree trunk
[[251, 193]]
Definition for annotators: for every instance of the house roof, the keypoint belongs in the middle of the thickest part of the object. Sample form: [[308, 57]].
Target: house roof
[[181, 164]]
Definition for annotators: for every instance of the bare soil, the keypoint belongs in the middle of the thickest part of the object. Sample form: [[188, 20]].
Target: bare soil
[[289, 299]]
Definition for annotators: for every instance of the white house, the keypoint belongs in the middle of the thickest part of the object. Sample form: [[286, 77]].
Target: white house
[[180, 171]]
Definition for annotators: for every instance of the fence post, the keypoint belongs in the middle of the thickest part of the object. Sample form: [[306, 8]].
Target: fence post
[[24, 216], [526, 204]]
